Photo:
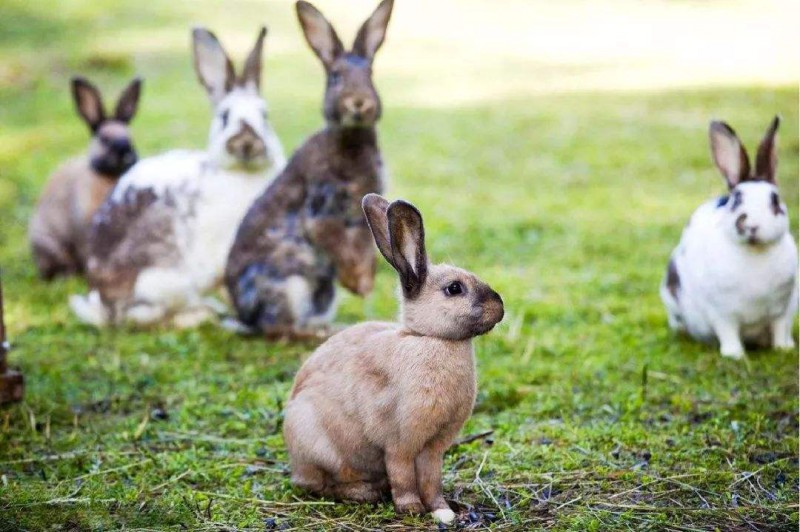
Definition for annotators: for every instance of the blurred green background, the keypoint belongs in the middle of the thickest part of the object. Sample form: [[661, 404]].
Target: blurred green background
[[556, 149]]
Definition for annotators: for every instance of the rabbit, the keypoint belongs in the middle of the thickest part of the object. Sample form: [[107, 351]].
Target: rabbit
[[158, 244], [375, 407], [733, 276], [307, 229], [59, 226]]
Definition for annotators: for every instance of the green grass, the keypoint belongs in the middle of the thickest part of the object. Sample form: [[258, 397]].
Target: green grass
[[567, 204]]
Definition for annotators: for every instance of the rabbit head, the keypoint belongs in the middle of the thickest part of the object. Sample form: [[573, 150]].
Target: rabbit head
[[753, 212], [111, 151], [438, 300], [350, 96], [241, 136]]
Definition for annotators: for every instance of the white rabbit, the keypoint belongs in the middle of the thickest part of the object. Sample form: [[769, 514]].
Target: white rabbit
[[377, 405], [733, 277], [158, 245]]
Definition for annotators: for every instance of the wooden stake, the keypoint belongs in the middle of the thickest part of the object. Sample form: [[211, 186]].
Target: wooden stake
[[12, 385]]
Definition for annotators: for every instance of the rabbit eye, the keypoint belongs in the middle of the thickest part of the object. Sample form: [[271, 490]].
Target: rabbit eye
[[454, 289], [334, 77], [776, 204], [737, 199], [225, 114], [264, 114]]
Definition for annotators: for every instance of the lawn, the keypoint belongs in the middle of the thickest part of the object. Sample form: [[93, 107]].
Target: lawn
[[562, 176]]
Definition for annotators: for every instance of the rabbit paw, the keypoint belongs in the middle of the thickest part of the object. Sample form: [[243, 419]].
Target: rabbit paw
[[409, 506], [444, 515], [735, 352]]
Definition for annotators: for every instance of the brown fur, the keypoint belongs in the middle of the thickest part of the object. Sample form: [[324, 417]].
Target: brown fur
[[308, 224], [58, 230], [376, 406]]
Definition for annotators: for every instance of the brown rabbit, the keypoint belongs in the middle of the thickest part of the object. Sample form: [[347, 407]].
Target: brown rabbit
[[307, 229], [76, 190], [376, 406]]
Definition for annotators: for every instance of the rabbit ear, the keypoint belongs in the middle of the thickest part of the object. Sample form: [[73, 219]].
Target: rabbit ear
[[89, 102], [375, 207], [319, 33], [767, 158], [128, 101], [729, 154], [373, 31], [252, 67], [407, 236], [213, 67]]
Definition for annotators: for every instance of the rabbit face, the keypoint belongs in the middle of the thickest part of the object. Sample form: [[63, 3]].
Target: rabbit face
[[241, 135], [453, 304], [438, 300], [350, 97], [111, 151], [754, 214]]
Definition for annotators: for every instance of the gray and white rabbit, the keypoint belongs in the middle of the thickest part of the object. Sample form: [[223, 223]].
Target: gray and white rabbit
[[158, 245]]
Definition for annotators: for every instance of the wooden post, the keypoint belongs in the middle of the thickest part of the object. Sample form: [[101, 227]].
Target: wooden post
[[12, 385]]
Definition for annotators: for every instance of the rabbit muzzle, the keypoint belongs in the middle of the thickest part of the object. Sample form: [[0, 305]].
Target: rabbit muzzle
[[247, 146], [358, 111], [112, 152], [487, 312]]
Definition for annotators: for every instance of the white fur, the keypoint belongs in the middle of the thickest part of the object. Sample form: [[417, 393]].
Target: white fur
[[731, 290], [445, 516]]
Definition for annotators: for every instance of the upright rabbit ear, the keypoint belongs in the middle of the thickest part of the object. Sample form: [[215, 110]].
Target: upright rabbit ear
[[375, 208], [729, 154], [252, 67], [89, 102], [319, 33], [128, 101], [407, 236], [767, 158], [213, 67], [372, 33]]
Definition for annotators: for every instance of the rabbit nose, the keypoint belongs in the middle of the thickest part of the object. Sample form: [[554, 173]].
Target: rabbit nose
[[121, 145]]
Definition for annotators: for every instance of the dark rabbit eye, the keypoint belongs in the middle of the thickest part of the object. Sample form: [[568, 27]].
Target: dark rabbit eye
[[776, 204], [224, 118], [454, 289], [334, 77], [737, 199]]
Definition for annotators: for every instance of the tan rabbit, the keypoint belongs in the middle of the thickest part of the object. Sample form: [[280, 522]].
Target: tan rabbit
[[375, 407], [59, 227]]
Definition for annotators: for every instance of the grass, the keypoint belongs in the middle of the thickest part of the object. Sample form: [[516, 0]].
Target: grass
[[567, 203]]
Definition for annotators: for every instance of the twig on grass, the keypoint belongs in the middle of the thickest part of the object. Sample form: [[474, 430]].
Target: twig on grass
[[472, 437], [266, 503]]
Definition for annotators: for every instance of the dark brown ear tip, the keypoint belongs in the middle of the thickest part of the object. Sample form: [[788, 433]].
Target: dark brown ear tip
[[718, 126], [370, 199], [79, 81], [776, 122], [403, 208], [262, 32]]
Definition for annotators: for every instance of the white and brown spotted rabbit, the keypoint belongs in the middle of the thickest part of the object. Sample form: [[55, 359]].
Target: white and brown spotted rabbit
[[307, 229], [58, 229], [158, 245], [733, 277], [376, 406]]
